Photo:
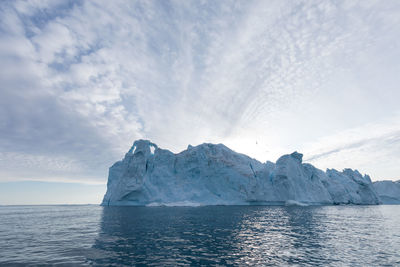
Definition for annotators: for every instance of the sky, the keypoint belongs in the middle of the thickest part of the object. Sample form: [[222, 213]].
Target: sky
[[81, 80]]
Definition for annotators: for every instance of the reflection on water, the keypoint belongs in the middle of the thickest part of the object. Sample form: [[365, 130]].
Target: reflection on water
[[252, 235], [220, 235]]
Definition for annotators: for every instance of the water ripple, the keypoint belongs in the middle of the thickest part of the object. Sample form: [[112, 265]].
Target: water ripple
[[220, 235]]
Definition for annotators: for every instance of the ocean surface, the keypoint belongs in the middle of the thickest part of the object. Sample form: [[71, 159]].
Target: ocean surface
[[214, 235]]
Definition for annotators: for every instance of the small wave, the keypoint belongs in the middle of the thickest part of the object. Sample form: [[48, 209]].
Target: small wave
[[295, 203]]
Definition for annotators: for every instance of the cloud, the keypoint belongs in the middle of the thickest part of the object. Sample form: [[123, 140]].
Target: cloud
[[81, 80], [372, 148]]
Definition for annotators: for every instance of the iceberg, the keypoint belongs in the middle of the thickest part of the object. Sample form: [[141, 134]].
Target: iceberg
[[213, 174], [388, 191]]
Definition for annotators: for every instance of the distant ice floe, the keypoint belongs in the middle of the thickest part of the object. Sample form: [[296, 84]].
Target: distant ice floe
[[211, 174]]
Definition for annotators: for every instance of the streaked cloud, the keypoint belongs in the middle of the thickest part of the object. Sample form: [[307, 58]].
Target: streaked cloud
[[372, 148]]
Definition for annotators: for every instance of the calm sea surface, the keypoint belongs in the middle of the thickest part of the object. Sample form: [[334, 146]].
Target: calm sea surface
[[220, 235]]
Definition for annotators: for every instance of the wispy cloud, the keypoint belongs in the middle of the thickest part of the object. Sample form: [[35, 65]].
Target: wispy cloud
[[81, 80], [373, 148]]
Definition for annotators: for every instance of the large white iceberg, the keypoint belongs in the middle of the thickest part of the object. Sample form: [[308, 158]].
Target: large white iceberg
[[388, 191], [211, 174]]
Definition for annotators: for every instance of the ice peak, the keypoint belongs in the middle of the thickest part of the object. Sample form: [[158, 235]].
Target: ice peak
[[208, 147], [298, 156]]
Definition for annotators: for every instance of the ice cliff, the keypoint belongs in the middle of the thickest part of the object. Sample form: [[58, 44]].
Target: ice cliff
[[211, 174], [388, 191]]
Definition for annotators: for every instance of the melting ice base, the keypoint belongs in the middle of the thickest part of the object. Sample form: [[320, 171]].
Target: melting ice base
[[211, 174]]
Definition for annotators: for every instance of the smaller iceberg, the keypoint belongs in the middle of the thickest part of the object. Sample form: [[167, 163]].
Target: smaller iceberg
[[388, 191]]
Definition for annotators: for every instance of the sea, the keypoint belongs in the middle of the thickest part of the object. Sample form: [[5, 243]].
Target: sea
[[82, 235]]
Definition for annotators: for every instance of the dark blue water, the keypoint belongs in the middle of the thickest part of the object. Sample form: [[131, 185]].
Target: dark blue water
[[235, 235]]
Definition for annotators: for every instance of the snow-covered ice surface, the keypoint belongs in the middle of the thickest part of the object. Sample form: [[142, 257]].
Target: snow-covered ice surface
[[388, 191], [211, 174]]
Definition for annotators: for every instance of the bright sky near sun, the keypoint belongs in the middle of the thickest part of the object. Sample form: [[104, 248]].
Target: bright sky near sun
[[81, 80]]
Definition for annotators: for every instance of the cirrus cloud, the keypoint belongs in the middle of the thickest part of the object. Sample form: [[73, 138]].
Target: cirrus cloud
[[81, 80]]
